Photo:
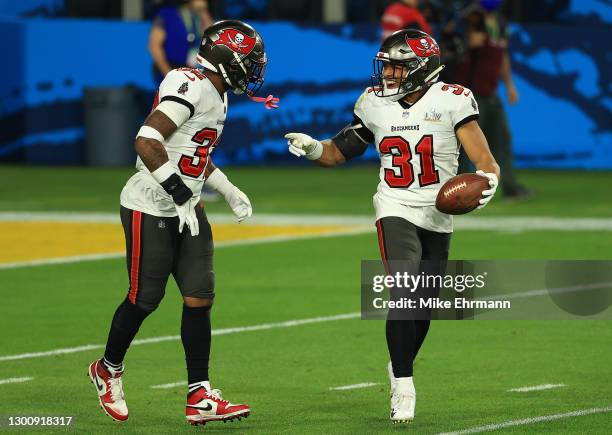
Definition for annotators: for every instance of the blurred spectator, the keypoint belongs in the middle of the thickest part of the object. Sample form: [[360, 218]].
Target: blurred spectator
[[403, 14], [175, 35], [485, 61]]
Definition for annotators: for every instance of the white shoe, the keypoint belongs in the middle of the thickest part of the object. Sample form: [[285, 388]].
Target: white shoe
[[403, 401], [110, 390], [204, 406]]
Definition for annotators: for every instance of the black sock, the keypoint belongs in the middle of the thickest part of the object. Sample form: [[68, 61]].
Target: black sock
[[422, 327], [195, 335], [125, 325], [401, 340]]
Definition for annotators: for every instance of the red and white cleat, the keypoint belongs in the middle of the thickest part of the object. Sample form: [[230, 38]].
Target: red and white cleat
[[204, 406], [110, 390]]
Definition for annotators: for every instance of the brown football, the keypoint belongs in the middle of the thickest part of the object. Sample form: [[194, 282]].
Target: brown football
[[461, 194]]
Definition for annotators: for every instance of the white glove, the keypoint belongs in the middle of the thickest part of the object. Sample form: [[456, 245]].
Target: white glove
[[487, 195], [240, 204], [187, 215], [301, 144], [236, 198]]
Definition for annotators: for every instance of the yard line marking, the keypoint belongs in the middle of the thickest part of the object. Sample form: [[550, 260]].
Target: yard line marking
[[544, 292], [285, 324], [536, 388], [499, 223], [223, 331], [14, 380], [61, 260], [532, 420], [229, 243], [172, 385], [354, 386]]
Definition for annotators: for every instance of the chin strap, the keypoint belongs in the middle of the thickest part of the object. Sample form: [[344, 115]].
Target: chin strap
[[434, 73], [270, 101]]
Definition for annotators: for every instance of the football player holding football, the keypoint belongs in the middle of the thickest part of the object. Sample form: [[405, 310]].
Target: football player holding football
[[417, 124], [166, 230]]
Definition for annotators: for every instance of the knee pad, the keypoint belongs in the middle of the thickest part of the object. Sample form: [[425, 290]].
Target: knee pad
[[204, 288]]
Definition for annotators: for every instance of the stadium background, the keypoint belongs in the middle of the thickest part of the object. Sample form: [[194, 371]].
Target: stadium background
[[317, 70], [286, 315]]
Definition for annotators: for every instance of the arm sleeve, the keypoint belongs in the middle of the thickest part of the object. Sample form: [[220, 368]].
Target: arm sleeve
[[178, 87], [353, 140], [466, 109]]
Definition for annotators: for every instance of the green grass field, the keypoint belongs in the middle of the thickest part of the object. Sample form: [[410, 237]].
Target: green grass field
[[462, 373]]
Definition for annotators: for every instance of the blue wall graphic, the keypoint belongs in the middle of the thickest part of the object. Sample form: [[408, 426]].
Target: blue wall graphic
[[564, 118]]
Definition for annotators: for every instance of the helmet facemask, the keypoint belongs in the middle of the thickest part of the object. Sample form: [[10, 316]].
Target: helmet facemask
[[244, 75], [399, 85], [254, 79]]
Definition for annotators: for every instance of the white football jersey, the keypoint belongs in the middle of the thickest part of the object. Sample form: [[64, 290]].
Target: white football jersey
[[188, 148], [418, 150]]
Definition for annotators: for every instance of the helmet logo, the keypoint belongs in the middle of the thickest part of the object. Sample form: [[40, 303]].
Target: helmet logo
[[424, 47], [235, 41]]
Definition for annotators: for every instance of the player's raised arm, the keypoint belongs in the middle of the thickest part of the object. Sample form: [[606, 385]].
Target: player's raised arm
[[477, 149], [352, 141], [324, 153]]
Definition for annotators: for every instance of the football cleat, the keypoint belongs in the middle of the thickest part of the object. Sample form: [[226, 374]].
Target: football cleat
[[204, 406], [403, 401], [110, 390]]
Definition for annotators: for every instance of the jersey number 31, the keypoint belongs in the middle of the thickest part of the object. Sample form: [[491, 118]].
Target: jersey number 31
[[402, 174]]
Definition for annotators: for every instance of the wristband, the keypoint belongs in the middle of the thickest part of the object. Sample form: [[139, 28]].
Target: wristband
[[316, 153], [176, 188]]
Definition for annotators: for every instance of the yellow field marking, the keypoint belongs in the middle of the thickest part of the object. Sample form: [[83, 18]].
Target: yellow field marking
[[23, 241]]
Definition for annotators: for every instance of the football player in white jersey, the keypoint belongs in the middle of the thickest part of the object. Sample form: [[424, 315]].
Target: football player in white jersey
[[417, 124], [166, 229]]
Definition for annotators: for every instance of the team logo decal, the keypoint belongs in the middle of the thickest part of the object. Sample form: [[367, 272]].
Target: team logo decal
[[423, 47], [183, 89], [236, 41]]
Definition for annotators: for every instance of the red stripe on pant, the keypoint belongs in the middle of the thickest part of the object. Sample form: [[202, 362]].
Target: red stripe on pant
[[381, 240], [135, 265], [381, 245]]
